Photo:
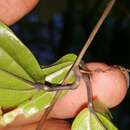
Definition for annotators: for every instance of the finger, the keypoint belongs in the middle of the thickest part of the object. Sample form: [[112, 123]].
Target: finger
[[51, 124], [12, 10], [109, 86]]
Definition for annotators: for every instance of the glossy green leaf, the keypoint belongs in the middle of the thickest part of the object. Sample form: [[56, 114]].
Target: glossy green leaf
[[29, 100], [15, 57], [13, 91], [57, 71], [40, 101], [17, 67], [67, 58], [86, 120], [12, 86]]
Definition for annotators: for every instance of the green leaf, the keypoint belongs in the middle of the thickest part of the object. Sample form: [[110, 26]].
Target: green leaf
[[67, 58], [40, 101], [13, 90], [57, 71], [86, 120], [29, 100], [18, 66], [16, 58]]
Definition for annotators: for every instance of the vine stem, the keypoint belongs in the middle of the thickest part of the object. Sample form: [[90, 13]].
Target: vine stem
[[78, 60]]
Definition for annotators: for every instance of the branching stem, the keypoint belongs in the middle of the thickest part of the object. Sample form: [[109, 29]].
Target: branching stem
[[78, 60]]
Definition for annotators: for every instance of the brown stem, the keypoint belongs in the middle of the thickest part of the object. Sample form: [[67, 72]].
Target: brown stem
[[78, 60], [94, 31]]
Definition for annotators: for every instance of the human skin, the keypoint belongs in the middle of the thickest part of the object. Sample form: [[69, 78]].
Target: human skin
[[108, 84], [10, 12]]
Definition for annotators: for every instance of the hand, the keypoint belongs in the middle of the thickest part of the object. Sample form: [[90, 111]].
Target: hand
[[12, 10], [109, 85]]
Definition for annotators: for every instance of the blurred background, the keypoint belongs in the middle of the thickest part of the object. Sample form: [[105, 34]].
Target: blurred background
[[55, 28]]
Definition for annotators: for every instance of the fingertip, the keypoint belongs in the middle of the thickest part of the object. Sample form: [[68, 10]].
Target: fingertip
[[109, 85]]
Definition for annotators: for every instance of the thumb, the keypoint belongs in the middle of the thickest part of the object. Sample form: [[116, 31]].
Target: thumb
[[109, 85]]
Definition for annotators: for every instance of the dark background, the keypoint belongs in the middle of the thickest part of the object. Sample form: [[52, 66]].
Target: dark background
[[55, 28]]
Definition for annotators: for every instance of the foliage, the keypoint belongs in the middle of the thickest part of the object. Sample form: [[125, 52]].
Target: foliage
[[65, 28]]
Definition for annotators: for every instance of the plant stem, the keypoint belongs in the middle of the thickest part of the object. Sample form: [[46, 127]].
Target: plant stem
[[94, 32], [78, 60]]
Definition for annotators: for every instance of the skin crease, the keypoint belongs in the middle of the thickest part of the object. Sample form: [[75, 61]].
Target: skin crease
[[114, 80]]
